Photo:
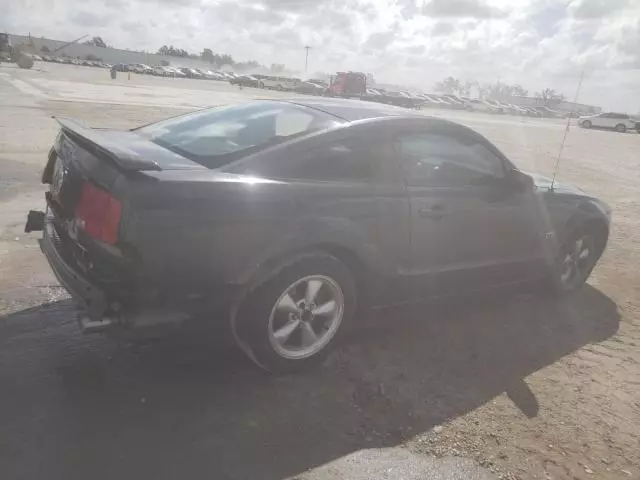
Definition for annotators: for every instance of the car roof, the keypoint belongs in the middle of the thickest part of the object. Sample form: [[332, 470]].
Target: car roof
[[353, 110]]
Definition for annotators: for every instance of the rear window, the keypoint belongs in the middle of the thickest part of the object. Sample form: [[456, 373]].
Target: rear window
[[216, 137]]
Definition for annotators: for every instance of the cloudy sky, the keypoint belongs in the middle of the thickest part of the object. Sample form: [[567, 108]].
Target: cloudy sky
[[537, 43]]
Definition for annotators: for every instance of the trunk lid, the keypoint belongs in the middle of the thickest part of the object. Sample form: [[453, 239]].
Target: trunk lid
[[108, 164], [128, 150], [111, 167], [110, 159]]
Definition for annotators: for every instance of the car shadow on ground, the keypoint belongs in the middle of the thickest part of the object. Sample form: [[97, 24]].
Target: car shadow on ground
[[190, 406]]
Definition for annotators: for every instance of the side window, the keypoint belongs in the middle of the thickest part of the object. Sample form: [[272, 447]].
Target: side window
[[439, 159], [354, 159]]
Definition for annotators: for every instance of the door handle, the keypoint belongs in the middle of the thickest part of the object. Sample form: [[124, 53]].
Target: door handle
[[433, 212]]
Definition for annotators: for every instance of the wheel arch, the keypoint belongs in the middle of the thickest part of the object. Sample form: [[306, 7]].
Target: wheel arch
[[267, 269], [270, 267], [592, 223]]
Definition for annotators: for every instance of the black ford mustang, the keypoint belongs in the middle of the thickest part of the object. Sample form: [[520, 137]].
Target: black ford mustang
[[290, 213]]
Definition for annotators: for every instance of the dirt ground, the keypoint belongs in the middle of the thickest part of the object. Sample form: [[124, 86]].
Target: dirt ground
[[529, 387]]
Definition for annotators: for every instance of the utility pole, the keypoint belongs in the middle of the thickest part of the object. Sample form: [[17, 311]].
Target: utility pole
[[306, 58]]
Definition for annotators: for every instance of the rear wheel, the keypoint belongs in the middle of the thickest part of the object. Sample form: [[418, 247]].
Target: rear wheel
[[621, 128], [291, 321]]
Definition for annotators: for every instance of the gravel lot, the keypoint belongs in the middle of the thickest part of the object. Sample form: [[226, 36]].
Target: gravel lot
[[526, 387]]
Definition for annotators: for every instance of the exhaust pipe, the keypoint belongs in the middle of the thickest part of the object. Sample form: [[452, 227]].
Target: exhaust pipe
[[96, 326]]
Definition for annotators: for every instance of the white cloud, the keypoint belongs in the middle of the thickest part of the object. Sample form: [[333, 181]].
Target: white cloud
[[536, 43]]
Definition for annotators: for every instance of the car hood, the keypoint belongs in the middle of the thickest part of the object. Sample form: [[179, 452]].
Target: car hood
[[544, 184]]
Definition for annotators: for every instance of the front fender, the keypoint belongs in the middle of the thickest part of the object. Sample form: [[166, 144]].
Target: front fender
[[588, 210]]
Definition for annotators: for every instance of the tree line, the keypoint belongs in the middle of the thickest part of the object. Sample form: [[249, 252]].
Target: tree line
[[207, 55], [497, 90], [98, 42], [218, 59]]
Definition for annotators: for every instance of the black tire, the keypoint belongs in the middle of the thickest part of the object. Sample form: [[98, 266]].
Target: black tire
[[621, 128], [594, 238], [252, 324], [586, 124]]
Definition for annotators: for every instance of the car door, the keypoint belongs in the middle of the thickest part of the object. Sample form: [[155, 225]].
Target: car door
[[470, 227]]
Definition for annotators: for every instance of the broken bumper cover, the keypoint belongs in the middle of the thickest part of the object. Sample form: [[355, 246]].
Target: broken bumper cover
[[99, 311], [88, 295]]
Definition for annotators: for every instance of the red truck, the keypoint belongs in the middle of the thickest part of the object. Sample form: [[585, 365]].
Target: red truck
[[348, 84]]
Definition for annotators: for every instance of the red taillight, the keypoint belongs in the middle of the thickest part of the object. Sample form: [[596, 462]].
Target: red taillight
[[99, 213]]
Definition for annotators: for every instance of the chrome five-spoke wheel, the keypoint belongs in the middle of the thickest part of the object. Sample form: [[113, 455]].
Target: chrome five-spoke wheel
[[292, 320], [306, 316]]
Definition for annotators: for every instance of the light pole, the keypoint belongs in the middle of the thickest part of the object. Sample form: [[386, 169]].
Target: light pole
[[306, 58]]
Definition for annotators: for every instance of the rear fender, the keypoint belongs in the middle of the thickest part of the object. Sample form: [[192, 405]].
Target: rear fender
[[325, 235]]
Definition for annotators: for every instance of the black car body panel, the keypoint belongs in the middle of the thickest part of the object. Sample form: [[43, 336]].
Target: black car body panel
[[191, 237], [101, 143], [567, 206]]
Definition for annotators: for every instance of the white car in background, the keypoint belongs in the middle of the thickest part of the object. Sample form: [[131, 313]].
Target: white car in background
[[620, 122]]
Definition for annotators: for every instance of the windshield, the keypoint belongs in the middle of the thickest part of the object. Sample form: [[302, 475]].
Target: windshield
[[215, 137]]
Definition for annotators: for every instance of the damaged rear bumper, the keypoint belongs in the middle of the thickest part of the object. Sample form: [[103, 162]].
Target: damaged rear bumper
[[99, 312], [89, 296]]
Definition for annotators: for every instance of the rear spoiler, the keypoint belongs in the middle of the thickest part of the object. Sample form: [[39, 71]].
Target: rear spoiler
[[124, 158]]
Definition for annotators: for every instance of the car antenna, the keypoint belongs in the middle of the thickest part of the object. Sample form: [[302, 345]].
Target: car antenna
[[566, 131]]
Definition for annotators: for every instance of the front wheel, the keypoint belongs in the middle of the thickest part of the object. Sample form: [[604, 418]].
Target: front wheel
[[621, 128], [576, 260], [586, 124], [291, 321]]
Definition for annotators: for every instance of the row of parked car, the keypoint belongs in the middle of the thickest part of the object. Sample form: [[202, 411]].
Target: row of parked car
[[71, 61], [178, 72], [402, 98], [272, 82], [430, 100], [162, 71]]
